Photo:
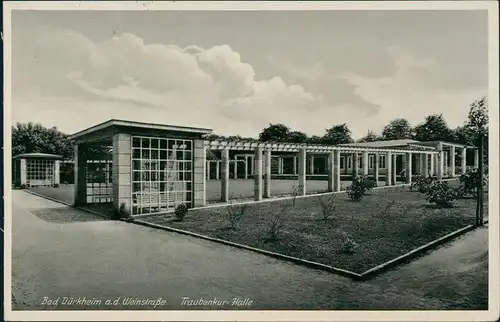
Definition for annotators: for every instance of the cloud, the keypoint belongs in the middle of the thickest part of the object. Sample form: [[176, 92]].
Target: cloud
[[413, 91], [64, 78], [189, 85]]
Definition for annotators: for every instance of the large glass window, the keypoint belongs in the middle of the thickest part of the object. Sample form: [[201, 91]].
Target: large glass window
[[40, 171], [161, 174], [99, 181]]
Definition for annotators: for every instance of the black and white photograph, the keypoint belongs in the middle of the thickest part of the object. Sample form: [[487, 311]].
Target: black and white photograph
[[251, 161]]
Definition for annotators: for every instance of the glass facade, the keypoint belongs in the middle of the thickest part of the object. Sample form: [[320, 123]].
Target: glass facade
[[162, 172], [40, 172], [99, 181]]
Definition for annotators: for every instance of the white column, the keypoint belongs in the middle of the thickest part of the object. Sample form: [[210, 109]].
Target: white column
[[217, 170], [464, 160], [208, 169], [331, 168], [452, 160], [246, 166], [408, 167], [388, 165], [336, 170], [225, 176], [440, 162], [425, 164], [267, 174], [445, 163], [235, 168], [433, 160], [24, 177], [302, 172], [311, 165], [257, 174], [476, 158], [377, 165], [280, 165], [355, 166], [394, 169], [295, 165], [365, 163], [57, 167]]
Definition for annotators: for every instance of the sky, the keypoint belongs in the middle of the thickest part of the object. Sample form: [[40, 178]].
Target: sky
[[238, 71]]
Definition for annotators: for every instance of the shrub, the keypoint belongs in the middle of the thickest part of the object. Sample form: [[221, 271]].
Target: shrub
[[359, 186], [122, 213], [234, 213], [347, 244], [470, 182], [276, 224], [328, 207], [180, 212], [56, 185], [422, 184], [441, 194]]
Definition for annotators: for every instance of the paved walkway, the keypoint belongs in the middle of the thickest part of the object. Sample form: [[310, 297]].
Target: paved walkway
[[62, 252]]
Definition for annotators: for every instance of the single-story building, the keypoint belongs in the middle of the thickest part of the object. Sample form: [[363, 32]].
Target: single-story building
[[35, 169]]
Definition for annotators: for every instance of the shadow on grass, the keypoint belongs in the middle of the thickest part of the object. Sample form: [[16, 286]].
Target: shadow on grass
[[64, 215]]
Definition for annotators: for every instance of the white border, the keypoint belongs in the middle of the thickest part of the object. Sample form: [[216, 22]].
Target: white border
[[493, 100]]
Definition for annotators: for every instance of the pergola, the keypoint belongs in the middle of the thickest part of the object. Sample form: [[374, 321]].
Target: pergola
[[156, 167], [36, 169]]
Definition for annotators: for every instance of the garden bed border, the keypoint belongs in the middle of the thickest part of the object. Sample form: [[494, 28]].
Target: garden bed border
[[312, 264], [356, 276]]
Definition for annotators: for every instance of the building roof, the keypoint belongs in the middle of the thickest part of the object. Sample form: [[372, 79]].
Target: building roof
[[383, 144], [37, 155], [139, 125]]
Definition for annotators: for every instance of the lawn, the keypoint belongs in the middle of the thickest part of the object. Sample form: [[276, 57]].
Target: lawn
[[385, 224]]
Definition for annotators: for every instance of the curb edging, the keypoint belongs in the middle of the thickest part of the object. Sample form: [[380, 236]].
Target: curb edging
[[372, 272], [296, 260]]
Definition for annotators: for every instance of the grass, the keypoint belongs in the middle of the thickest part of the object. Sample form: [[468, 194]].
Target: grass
[[387, 223]]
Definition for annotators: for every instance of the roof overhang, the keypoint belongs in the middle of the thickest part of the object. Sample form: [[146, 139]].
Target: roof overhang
[[104, 131]]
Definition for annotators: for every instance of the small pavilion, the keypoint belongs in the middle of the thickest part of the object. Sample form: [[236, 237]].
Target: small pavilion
[[35, 169]]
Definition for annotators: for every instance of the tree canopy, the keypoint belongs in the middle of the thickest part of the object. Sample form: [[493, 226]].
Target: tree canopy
[[370, 137], [434, 128], [397, 129], [35, 138], [275, 133], [338, 134]]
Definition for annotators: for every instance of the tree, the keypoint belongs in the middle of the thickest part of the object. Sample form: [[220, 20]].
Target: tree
[[314, 140], [434, 128], [477, 126], [369, 137], [275, 133], [297, 137], [338, 134], [397, 129], [35, 138]]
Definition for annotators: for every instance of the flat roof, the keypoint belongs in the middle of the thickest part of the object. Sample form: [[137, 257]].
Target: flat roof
[[380, 143], [37, 155], [140, 125]]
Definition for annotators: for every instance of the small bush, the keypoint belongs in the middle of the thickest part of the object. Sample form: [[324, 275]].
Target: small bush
[[422, 184], [180, 212], [276, 224], [347, 244], [56, 185], [441, 194], [328, 207], [234, 213], [122, 213], [470, 182], [359, 187]]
